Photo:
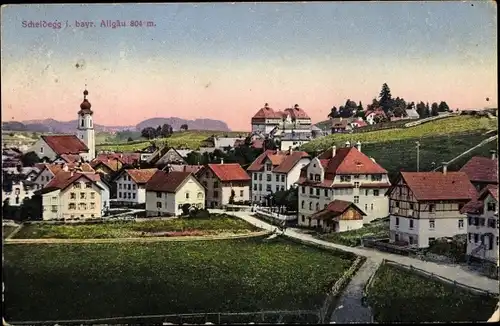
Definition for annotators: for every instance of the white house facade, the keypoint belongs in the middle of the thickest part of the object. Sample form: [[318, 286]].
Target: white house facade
[[130, 186]]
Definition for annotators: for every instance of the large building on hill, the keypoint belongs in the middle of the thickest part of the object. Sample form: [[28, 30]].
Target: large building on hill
[[346, 174], [292, 120], [83, 143]]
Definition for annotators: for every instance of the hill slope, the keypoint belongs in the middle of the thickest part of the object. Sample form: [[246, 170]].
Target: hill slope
[[176, 123]]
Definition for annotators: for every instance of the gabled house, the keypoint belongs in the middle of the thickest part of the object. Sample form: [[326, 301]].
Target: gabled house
[[425, 206], [130, 186], [224, 183], [15, 191], [373, 116], [165, 155], [274, 171], [412, 114], [51, 147], [72, 195], [346, 174], [106, 166], [49, 171], [483, 225], [339, 216], [341, 125], [68, 158], [482, 171], [167, 193]]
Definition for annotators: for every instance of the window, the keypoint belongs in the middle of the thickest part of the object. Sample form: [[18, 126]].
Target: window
[[268, 187], [311, 177], [216, 194], [491, 207], [311, 191], [376, 192], [92, 195], [303, 190], [200, 195], [88, 184], [397, 221], [254, 186], [411, 206], [432, 223], [476, 238], [129, 186], [356, 199], [77, 185], [187, 195], [268, 177], [326, 192], [269, 167], [205, 184], [397, 204], [54, 208], [317, 192], [255, 176], [133, 187], [158, 204], [376, 177], [482, 221], [432, 208], [216, 184], [207, 175], [317, 177], [310, 206], [72, 195], [356, 184], [41, 150], [491, 223], [431, 240], [82, 195], [119, 186], [260, 187], [304, 219], [366, 207], [411, 224], [72, 206], [282, 178], [460, 224], [317, 208], [277, 178], [356, 176], [367, 192], [277, 188], [470, 237], [129, 195], [92, 205], [326, 205], [260, 177], [120, 195], [302, 204], [345, 178], [158, 194]]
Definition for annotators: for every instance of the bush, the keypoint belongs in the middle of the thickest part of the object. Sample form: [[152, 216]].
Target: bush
[[202, 213]]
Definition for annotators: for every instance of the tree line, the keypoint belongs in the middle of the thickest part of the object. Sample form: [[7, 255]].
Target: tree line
[[392, 107], [161, 131]]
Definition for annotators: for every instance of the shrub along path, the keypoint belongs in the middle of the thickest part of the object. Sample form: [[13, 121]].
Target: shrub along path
[[144, 239]]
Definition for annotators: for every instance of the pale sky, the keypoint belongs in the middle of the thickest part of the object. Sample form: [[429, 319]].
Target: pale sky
[[224, 61]]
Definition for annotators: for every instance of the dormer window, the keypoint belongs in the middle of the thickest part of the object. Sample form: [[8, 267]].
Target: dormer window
[[491, 207], [376, 177], [269, 167], [345, 178], [317, 177]]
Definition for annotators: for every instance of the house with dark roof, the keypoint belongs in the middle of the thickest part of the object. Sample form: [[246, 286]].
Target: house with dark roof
[[347, 174], [224, 184], [425, 206], [72, 195], [53, 146], [131, 186], [483, 225], [168, 192], [482, 171], [274, 171], [339, 216]]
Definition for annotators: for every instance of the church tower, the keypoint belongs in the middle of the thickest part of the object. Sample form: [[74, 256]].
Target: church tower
[[85, 129]]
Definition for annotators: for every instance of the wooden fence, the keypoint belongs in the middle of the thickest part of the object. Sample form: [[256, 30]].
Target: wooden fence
[[271, 317], [439, 278]]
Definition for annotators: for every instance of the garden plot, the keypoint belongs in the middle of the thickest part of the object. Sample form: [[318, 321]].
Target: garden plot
[[82, 281]]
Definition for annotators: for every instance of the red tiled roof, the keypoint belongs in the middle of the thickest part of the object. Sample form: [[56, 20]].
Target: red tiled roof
[[267, 112], [229, 172], [489, 190], [140, 176], [166, 182], [296, 113], [475, 206], [185, 168], [124, 158], [340, 123], [336, 208], [378, 111], [112, 163], [282, 161], [349, 160], [63, 179], [65, 144], [71, 158], [481, 169], [439, 186], [54, 168]]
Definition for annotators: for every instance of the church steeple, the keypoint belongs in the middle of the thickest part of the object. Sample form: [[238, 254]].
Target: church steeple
[[85, 128]]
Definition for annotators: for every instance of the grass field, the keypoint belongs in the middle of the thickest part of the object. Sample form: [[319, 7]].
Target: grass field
[[190, 139], [378, 229], [128, 229], [54, 282], [6, 230], [443, 127], [398, 295]]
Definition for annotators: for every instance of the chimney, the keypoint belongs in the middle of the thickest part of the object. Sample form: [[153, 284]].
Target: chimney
[[358, 145], [445, 167], [334, 150], [266, 105], [493, 154], [221, 161], [296, 106], [290, 150], [347, 144], [72, 173]]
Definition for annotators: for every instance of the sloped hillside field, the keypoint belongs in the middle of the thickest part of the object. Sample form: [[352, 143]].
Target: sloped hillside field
[[84, 281]]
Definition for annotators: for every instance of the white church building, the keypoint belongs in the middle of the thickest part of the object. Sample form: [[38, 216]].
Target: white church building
[[82, 144]]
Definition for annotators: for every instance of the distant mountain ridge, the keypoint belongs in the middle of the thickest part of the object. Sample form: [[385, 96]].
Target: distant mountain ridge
[[55, 126]]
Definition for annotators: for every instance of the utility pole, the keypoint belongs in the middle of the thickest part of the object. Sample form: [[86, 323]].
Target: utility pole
[[418, 155]]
